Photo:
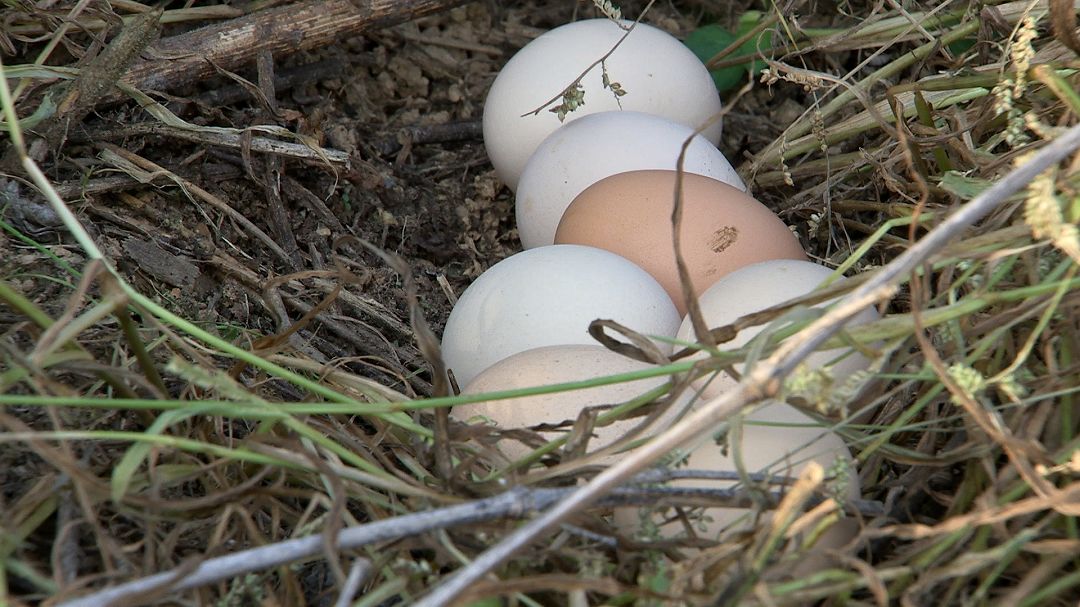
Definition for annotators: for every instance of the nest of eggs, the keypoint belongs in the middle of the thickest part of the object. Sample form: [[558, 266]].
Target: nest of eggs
[[223, 374]]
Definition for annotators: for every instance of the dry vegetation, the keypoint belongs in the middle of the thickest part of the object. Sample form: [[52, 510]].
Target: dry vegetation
[[227, 343]]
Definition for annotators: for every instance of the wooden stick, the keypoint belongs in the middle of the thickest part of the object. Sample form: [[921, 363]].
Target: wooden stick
[[186, 58]]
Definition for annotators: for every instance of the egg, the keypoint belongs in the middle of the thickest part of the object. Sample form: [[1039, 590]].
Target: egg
[[548, 296], [553, 365], [722, 229], [777, 439], [659, 74], [597, 146], [763, 285]]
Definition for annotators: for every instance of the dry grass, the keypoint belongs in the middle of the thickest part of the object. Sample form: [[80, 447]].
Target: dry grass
[[137, 439]]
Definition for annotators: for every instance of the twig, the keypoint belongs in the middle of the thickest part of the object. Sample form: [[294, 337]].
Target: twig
[[75, 100], [266, 145], [286, 79], [267, 171], [515, 503], [764, 379], [512, 503], [359, 571], [96, 24], [434, 133], [686, 283], [461, 45], [577, 81], [283, 30]]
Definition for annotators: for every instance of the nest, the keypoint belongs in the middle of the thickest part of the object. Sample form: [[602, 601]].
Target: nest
[[231, 235]]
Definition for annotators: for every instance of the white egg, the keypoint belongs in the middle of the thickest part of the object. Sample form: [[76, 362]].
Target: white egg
[[556, 365], [548, 296], [777, 440], [763, 285], [659, 74], [597, 146]]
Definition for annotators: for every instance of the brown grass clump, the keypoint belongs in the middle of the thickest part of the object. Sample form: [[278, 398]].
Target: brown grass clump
[[219, 376]]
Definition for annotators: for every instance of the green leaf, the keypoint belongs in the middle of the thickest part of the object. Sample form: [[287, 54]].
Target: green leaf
[[124, 473], [961, 46], [43, 111], [963, 187], [707, 41]]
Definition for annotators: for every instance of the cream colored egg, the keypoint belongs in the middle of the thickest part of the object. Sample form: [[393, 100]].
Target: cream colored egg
[[659, 74], [777, 440], [555, 365], [763, 285]]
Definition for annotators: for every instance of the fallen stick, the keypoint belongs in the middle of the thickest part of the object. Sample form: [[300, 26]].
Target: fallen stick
[[264, 145], [180, 60], [515, 503]]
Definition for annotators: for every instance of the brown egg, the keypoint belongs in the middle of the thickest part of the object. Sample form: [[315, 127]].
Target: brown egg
[[723, 229]]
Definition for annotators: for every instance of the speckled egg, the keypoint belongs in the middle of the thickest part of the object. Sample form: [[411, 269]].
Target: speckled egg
[[723, 228]]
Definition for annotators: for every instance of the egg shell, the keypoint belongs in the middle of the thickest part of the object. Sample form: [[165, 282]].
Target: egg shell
[[722, 228], [760, 286], [777, 439], [597, 146], [553, 365], [661, 77], [548, 296]]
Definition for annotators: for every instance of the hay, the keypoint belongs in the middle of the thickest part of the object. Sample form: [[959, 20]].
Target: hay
[[248, 374]]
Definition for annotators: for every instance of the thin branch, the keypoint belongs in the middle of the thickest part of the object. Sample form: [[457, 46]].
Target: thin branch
[[359, 572], [511, 503], [765, 378], [593, 65], [235, 141], [283, 30], [515, 503]]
